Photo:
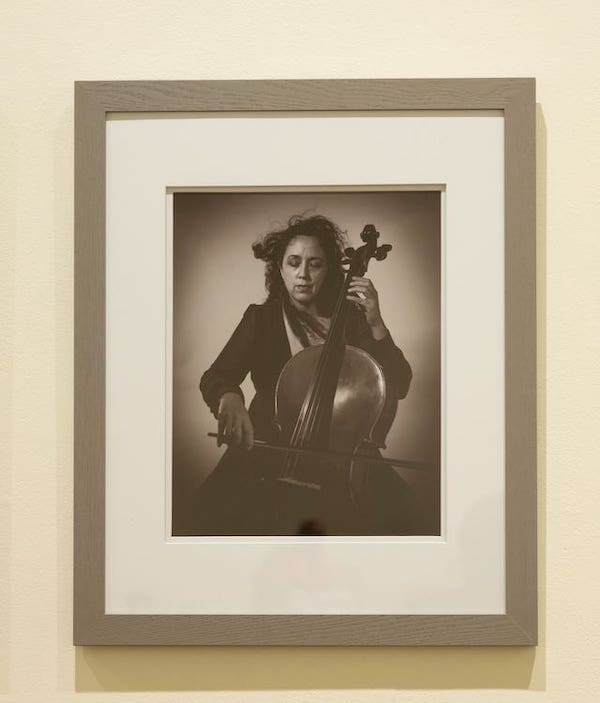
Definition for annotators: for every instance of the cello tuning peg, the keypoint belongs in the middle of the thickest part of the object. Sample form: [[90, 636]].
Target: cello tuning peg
[[369, 233], [382, 251]]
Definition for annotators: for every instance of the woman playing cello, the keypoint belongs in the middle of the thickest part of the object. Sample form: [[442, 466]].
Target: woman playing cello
[[303, 279]]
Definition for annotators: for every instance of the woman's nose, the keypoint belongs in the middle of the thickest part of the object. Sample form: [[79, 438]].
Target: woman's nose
[[303, 270]]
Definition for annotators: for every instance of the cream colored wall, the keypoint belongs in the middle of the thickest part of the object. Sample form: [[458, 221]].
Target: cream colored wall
[[44, 47]]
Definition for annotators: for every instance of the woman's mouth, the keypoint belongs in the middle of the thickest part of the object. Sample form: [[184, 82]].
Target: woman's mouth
[[302, 287]]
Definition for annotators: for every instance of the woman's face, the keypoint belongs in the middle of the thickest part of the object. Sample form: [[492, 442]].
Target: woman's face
[[303, 270]]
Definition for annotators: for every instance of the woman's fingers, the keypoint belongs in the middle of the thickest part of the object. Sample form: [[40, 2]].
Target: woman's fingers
[[357, 295], [362, 285], [248, 433], [363, 294], [235, 430], [358, 301], [222, 429], [226, 433]]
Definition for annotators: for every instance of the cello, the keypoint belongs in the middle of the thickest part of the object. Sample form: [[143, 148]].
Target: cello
[[330, 400]]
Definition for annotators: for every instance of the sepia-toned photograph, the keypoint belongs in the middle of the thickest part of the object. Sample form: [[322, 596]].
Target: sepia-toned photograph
[[306, 368]]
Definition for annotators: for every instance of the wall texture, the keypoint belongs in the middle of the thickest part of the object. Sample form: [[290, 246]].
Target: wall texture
[[45, 47]]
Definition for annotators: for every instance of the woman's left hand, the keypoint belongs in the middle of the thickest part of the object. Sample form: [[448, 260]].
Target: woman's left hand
[[363, 293]]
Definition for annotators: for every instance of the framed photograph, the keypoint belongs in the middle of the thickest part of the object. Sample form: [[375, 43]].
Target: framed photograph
[[305, 362]]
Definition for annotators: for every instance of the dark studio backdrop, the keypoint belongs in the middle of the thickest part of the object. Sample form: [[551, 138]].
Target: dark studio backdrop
[[215, 278]]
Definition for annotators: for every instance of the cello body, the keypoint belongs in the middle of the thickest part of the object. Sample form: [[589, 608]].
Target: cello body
[[357, 405]]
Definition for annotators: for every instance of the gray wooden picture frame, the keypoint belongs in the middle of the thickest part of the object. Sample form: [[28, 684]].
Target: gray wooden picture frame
[[93, 102]]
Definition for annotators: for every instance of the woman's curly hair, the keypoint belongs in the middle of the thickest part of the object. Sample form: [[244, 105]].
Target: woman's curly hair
[[271, 249]]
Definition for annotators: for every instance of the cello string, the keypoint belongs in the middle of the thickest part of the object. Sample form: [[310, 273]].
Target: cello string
[[338, 321], [300, 434], [311, 414], [312, 411], [314, 391], [324, 398]]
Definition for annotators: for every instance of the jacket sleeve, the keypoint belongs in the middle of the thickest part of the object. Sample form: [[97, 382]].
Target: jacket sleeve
[[396, 368], [232, 365]]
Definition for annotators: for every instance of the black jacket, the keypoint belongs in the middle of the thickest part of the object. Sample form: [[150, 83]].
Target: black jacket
[[259, 346]]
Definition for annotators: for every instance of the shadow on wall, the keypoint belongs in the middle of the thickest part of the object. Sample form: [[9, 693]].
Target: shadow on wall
[[8, 311], [291, 668]]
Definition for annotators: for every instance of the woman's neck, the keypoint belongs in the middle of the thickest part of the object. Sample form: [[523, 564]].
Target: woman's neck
[[310, 309]]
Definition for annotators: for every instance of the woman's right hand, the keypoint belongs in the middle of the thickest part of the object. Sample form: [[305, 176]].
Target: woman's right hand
[[235, 425]]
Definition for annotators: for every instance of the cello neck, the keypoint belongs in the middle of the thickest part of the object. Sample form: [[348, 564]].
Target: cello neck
[[337, 329]]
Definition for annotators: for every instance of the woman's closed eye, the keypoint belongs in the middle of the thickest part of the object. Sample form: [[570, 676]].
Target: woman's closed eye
[[296, 261]]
